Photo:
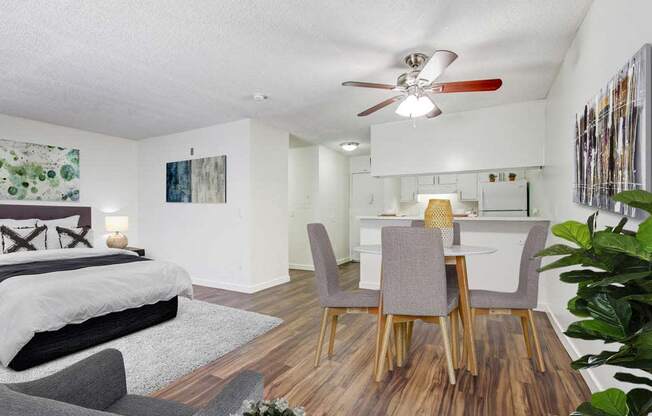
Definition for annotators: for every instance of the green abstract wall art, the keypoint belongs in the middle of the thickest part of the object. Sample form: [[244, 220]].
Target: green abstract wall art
[[38, 172]]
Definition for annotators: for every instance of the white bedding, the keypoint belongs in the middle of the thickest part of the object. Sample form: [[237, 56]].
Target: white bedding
[[47, 302]]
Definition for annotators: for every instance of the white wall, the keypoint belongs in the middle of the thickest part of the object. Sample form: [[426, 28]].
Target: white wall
[[508, 136], [333, 197], [303, 185], [318, 181], [108, 170], [610, 34], [269, 205], [214, 241]]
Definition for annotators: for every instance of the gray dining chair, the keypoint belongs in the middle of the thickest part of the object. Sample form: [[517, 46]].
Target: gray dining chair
[[414, 288], [525, 299], [335, 301]]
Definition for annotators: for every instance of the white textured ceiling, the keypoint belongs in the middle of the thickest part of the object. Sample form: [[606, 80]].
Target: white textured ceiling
[[145, 68]]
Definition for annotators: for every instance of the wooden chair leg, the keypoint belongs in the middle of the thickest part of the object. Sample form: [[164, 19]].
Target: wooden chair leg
[[398, 340], [379, 340], [455, 322], [408, 337], [322, 333], [447, 348], [331, 340], [535, 339], [384, 348], [526, 336], [391, 352]]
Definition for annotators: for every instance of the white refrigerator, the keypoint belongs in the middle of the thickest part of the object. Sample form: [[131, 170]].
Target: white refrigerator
[[504, 199]]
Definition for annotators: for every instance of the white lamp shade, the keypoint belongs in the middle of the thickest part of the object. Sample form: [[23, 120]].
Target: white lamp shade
[[415, 107], [116, 223]]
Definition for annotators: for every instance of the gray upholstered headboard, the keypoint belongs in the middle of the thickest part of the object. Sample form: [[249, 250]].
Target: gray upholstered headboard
[[45, 212]]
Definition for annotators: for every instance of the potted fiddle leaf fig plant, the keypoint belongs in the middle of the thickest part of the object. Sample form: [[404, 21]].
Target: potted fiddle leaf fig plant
[[612, 269]]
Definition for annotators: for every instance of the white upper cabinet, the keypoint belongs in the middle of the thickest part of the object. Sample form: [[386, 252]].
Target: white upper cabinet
[[361, 164], [467, 186], [450, 179], [409, 189], [426, 180]]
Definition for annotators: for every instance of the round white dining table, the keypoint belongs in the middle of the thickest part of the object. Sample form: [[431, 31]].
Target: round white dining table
[[456, 255]]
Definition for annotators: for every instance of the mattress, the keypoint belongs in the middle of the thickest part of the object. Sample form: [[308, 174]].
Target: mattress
[[44, 291]]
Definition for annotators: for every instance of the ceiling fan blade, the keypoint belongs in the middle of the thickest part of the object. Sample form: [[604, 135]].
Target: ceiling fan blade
[[368, 85], [467, 86], [437, 64], [435, 111], [380, 105]]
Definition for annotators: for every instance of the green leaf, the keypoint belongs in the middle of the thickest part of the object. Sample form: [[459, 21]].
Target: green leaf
[[582, 276], [613, 312], [573, 231], [621, 243], [570, 260], [643, 298], [644, 234], [593, 360], [631, 378], [557, 250], [639, 402], [621, 278], [586, 409], [620, 226], [611, 401], [593, 329], [578, 307], [636, 199]]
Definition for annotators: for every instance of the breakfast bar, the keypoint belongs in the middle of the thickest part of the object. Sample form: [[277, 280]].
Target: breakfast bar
[[497, 271]]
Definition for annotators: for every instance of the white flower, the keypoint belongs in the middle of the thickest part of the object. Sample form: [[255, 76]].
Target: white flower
[[281, 404]]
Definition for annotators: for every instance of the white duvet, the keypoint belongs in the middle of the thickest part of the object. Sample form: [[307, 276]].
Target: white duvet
[[47, 302]]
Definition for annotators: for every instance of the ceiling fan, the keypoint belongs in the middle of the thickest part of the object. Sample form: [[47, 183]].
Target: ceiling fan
[[417, 86]]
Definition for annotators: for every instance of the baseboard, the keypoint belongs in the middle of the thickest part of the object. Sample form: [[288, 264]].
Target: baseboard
[[570, 346], [311, 268], [234, 287]]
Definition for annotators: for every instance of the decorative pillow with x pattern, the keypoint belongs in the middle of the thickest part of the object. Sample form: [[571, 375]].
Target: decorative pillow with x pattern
[[75, 237], [23, 239]]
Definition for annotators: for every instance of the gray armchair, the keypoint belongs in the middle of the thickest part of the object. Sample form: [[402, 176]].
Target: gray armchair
[[96, 386]]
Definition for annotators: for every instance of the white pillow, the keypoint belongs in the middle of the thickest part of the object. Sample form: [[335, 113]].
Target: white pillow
[[22, 239], [8, 222], [52, 234], [81, 237]]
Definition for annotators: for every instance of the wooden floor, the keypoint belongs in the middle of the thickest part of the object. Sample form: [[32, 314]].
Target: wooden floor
[[507, 383]]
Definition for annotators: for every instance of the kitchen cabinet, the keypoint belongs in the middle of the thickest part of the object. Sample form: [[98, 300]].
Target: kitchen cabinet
[[409, 189], [467, 186], [361, 164], [449, 179], [426, 180]]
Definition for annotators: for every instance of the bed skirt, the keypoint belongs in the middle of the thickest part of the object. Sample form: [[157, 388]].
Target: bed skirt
[[47, 346]]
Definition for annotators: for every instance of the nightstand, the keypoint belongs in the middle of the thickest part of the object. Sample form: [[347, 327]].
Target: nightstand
[[139, 251]]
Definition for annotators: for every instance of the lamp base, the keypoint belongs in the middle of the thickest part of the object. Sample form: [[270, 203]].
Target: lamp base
[[117, 240]]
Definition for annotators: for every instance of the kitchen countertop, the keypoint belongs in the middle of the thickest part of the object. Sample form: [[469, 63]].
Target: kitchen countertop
[[410, 218]]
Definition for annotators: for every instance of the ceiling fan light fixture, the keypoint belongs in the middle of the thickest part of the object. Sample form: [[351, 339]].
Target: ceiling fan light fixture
[[349, 146], [415, 107]]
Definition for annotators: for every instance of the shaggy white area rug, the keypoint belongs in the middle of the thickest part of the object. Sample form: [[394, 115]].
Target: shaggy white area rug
[[156, 356]]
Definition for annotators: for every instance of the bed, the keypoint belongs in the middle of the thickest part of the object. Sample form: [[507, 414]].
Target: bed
[[56, 302]]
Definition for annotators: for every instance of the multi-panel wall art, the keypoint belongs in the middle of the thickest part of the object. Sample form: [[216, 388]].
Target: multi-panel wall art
[[38, 172], [612, 135], [197, 180]]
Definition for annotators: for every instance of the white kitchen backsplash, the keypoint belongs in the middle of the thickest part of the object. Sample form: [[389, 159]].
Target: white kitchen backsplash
[[417, 209]]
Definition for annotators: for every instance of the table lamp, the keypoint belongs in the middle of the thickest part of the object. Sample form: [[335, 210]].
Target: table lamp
[[116, 225]]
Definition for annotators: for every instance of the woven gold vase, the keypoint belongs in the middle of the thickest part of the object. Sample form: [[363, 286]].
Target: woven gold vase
[[439, 214]]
